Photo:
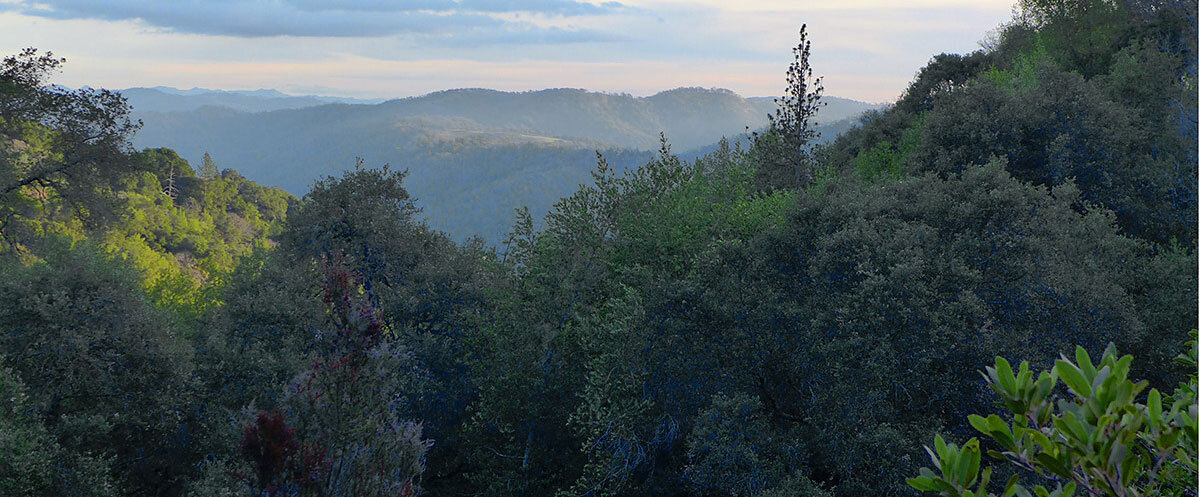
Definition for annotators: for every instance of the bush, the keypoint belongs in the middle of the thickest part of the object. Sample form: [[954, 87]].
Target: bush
[[1095, 438], [107, 372], [32, 463]]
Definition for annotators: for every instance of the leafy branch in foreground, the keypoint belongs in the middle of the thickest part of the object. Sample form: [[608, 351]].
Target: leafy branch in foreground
[[90, 127], [1095, 440]]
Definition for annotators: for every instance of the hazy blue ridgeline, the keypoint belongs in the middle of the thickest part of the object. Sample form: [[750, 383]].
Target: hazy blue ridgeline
[[473, 155]]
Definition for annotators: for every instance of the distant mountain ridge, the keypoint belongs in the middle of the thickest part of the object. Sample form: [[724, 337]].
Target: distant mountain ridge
[[264, 93], [196, 90], [473, 154], [167, 99]]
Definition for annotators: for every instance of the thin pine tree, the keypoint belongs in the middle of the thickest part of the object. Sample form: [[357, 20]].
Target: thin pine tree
[[796, 110]]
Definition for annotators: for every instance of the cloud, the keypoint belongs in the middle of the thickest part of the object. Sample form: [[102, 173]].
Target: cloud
[[480, 19], [866, 49]]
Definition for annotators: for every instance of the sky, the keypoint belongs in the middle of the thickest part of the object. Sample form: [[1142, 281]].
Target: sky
[[864, 49]]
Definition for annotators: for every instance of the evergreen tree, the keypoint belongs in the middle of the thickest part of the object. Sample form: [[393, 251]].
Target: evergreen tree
[[792, 128], [208, 168]]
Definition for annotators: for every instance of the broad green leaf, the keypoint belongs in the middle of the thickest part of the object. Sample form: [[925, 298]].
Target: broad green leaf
[[1084, 362], [1099, 378], [1005, 373], [922, 483], [937, 461], [979, 423], [1040, 439], [1012, 487], [1116, 454], [1122, 367], [940, 444], [997, 424], [1052, 464], [984, 479], [970, 456], [1073, 378]]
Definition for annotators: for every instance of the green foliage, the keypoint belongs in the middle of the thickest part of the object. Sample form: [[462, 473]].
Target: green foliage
[[885, 161], [944, 75], [612, 408], [425, 291], [342, 430], [107, 372], [208, 167], [32, 463], [670, 211], [1098, 439], [354, 215], [1093, 92], [570, 337], [185, 246], [770, 297], [66, 169], [1165, 292], [182, 246], [873, 276], [262, 336], [731, 450], [875, 258], [1083, 35], [678, 328], [56, 143], [1064, 128], [1022, 75], [797, 485]]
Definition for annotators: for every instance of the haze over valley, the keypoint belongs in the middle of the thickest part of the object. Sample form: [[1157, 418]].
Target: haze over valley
[[473, 155]]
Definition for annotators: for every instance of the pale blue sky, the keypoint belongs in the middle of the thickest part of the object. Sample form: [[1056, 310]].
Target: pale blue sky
[[866, 49]]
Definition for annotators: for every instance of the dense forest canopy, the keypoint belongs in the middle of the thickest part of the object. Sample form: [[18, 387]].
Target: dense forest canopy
[[783, 318]]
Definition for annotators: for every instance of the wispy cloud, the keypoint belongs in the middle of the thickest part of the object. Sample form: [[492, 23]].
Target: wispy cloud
[[480, 19], [865, 49]]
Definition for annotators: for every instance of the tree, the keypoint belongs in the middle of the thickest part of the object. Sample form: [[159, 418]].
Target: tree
[[1098, 92], [792, 124], [1098, 439], [107, 372], [873, 275], [341, 427], [424, 289], [32, 463], [208, 168], [1058, 126], [732, 450], [367, 217], [81, 138]]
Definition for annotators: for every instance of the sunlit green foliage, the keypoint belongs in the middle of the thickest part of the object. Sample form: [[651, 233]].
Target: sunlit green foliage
[[66, 169], [885, 161], [182, 246]]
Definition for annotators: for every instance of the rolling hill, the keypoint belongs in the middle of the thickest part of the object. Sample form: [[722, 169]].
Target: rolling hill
[[473, 155]]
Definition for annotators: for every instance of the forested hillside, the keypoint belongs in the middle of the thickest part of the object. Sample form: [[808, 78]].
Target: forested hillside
[[779, 319], [473, 155]]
